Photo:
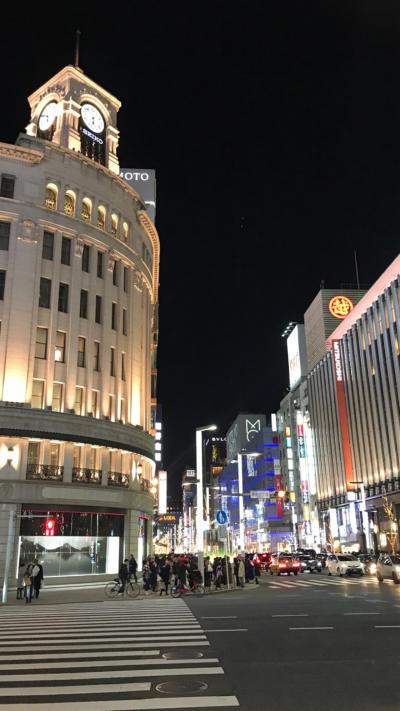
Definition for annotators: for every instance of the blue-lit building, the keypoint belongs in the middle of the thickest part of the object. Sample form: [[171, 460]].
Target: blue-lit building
[[265, 522]]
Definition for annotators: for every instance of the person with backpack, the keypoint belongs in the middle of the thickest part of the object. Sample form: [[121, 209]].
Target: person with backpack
[[37, 577], [165, 574], [28, 583]]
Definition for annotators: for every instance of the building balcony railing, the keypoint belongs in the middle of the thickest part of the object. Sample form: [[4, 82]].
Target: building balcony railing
[[144, 484], [86, 476], [50, 472], [118, 479]]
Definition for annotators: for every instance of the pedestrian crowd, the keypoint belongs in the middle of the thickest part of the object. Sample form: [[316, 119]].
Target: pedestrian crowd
[[29, 581]]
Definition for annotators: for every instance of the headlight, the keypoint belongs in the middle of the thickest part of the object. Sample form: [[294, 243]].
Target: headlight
[[397, 568], [372, 568]]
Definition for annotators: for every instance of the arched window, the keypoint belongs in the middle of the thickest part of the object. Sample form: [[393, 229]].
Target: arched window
[[101, 217], [50, 199], [125, 231], [86, 213], [69, 203], [114, 224]]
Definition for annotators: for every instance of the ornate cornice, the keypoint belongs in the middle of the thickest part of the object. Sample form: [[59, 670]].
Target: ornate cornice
[[27, 155], [151, 231]]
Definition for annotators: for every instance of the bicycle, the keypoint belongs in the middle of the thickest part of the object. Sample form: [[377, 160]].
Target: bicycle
[[113, 589], [179, 590]]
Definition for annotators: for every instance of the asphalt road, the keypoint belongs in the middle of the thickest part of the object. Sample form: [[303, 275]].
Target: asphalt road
[[324, 643]]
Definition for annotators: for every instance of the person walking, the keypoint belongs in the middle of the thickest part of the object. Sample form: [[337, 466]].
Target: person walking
[[207, 573], [28, 583], [241, 572], [132, 567], [37, 577], [165, 574], [153, 574], [20, 581], [257, 569], [123, 575], [236, 570]]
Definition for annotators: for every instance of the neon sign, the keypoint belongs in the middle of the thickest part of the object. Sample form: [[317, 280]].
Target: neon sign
[[340, 306]]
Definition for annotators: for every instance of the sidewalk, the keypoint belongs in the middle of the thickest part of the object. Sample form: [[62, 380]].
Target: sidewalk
[[89, 592]]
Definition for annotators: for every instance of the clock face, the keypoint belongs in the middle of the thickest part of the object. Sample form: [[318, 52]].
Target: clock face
[[92, 118], [48, 116]]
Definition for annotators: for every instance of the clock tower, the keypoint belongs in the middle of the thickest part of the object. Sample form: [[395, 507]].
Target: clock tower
[[74, 112]]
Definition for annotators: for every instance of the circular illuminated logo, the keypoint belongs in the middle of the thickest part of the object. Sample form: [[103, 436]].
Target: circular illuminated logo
[[340, 306]]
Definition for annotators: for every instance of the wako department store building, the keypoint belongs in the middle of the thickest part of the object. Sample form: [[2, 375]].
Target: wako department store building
[[79, 259]]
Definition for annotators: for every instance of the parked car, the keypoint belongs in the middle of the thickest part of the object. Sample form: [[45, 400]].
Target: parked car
[[369, 562], [308, 562], [388, 566], [284, 563], [344, 565]]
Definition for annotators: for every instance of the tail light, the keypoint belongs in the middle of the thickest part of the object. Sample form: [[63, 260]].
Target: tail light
[[296, 565], [282, 565]]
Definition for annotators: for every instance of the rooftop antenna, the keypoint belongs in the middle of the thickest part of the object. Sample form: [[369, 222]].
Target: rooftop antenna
[[77, 42], [356, 266]]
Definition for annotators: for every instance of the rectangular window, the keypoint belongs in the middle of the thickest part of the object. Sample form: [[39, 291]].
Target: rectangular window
[[37, 393], [57, 397], [100, 259], [66, 251], [63, 298], [33, 453], [7, 186], [45, 293], [54, 454], [96, 356], [98, 309], [83, 304], [2, 283], [123, 366], [78, 401], [122, 411], [85, 258], [59, 351], [94, 458], [95, 403], [76, 456], [115, 273], [81, 351], [111, 406], [114, 316], [4, 235], [48, 245], [124, 331], [126, 279], [112, 362], [41, 343]]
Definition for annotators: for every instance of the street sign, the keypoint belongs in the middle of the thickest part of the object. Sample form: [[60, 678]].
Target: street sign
[[223, 532], [260, 494], [221, 517]]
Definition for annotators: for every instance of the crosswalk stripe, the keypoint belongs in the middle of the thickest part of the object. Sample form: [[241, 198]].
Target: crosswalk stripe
[[81, 689], [102, 652], [121, 674], [104, 663], [180, 702]]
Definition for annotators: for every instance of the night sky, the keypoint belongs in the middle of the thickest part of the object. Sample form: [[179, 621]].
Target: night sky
[[274, 130]]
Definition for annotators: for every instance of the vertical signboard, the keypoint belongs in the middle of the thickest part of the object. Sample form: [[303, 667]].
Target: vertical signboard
[[144, 182], [297, 357], [162, 492], [342, 413]]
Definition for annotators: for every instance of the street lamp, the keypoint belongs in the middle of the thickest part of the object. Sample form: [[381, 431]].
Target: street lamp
[[199, 493], [364, 514]]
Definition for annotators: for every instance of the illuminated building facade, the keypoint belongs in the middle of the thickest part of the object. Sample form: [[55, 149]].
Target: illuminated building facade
[[355, 416], [79, 259]]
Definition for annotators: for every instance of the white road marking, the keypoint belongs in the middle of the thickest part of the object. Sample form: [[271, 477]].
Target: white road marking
[[386, 627], [227, 617], [180, 702], [104, 663], [75, 655], [362, 613], [302, 615], [93, 638], [232, 630], [310, 628], [121, 645], [124, 673], [85, 689]]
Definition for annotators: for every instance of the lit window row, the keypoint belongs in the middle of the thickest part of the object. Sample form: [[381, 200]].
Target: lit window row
[[41, 351], [117, 226], [115, 408]]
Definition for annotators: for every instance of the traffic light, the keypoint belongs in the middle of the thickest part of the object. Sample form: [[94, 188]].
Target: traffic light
[[50, 527]]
